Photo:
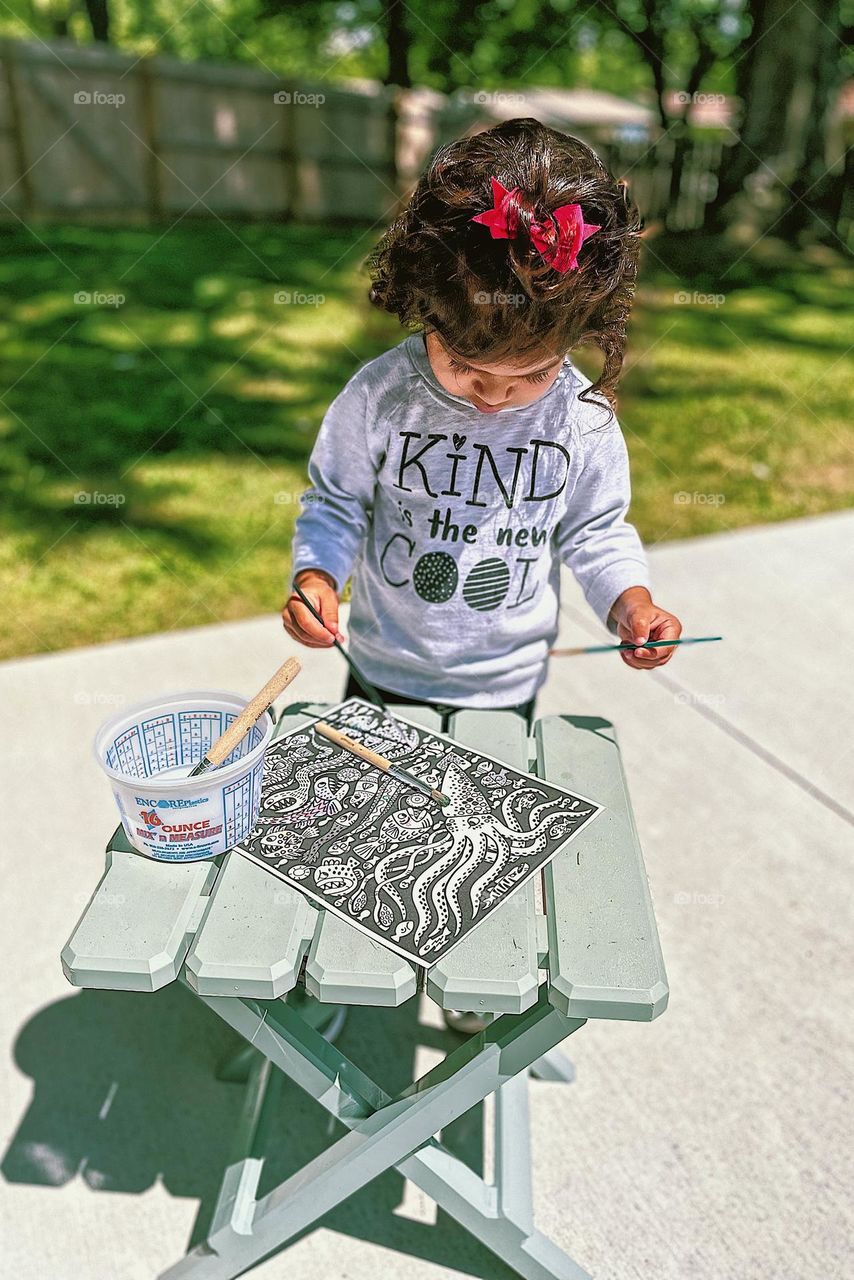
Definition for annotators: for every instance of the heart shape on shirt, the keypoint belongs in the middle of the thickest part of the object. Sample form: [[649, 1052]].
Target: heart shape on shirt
[[459, 441]]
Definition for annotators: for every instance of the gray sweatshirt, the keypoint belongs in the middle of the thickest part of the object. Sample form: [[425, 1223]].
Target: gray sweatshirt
[[454, 525]]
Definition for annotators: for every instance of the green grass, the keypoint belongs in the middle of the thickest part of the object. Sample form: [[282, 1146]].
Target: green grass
[[191, 408], [737, 411]]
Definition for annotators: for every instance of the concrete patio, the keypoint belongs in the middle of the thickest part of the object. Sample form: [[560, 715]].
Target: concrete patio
[[711, 1143]]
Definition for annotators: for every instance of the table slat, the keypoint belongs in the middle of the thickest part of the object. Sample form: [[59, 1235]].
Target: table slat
[[604, 954], [344, 965], [135, 932], [253, 936], [495, 967]]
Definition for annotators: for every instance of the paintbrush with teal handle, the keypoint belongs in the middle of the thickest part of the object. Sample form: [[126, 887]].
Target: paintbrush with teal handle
[[649, 644]]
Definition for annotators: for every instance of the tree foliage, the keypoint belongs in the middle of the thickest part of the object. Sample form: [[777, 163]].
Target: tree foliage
[[783, 62]]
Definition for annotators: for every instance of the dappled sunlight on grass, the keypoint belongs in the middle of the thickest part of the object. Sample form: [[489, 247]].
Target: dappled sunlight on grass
[[736, 403], [155, 436], [156, 430]]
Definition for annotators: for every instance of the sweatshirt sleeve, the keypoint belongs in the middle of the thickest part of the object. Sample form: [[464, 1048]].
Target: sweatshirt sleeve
[[594, 539], [342, 470]]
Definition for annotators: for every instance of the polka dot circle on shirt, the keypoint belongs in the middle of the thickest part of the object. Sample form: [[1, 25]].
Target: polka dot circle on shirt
[[435, 577]]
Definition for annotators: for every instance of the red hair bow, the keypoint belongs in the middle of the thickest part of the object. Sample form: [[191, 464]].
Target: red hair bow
[[558, 240]]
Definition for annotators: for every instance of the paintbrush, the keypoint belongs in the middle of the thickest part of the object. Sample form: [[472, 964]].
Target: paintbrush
[[373, 695], [649, 644], [253, 710], [380, 762]]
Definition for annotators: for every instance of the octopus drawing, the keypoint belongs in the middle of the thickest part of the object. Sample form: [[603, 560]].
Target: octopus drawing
[[479, 846], [414, 874]]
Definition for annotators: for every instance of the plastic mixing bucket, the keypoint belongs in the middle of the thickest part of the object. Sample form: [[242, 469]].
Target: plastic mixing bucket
[[147, 752]]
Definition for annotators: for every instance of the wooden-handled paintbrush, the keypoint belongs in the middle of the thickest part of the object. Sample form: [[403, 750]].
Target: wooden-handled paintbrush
[[380, 762], [253, 710]]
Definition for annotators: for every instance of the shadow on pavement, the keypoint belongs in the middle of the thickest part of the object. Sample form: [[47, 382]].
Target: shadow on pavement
[[125, 1095]]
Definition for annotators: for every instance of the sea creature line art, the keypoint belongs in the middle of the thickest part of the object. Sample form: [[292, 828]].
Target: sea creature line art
[[413, 874]]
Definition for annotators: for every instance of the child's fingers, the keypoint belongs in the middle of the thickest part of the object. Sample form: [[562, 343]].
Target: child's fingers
[[323, 599], [637, 628], [300, 623], [293, 630], [328, 609], [310, 629], [667, 628], [628, 656], [641, 659]]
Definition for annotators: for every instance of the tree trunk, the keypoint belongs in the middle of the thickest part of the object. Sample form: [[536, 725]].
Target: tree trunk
[[815, 199], [397, 79], [680, 138], [99, 19], [398, 41], [785, 90], [680, 132]]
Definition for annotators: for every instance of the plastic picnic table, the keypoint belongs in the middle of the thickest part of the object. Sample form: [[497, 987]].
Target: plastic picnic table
[[271, 964]]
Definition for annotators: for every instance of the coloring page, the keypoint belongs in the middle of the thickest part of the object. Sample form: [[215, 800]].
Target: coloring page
[[412, 873]]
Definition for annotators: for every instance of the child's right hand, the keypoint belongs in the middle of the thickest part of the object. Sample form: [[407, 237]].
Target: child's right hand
[[298, 621]]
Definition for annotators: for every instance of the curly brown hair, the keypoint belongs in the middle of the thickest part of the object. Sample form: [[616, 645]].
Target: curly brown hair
[[433, 261]]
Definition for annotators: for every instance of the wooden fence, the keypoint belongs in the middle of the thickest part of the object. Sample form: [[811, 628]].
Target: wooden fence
[[647, 168], [92, 134], [89, 131]]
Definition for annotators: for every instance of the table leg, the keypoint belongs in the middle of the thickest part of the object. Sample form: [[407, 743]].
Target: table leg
[[459, 1192], [386, 1132], [236, 1201], [554, 1066], [513, 1152]]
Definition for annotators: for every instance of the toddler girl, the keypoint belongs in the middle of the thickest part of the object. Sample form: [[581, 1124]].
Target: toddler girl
[[454, 474]]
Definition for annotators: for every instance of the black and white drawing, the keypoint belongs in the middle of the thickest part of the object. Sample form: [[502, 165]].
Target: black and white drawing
[[414, 874]]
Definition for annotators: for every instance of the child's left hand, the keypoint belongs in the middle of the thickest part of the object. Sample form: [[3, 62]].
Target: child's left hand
[[636, 618]]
